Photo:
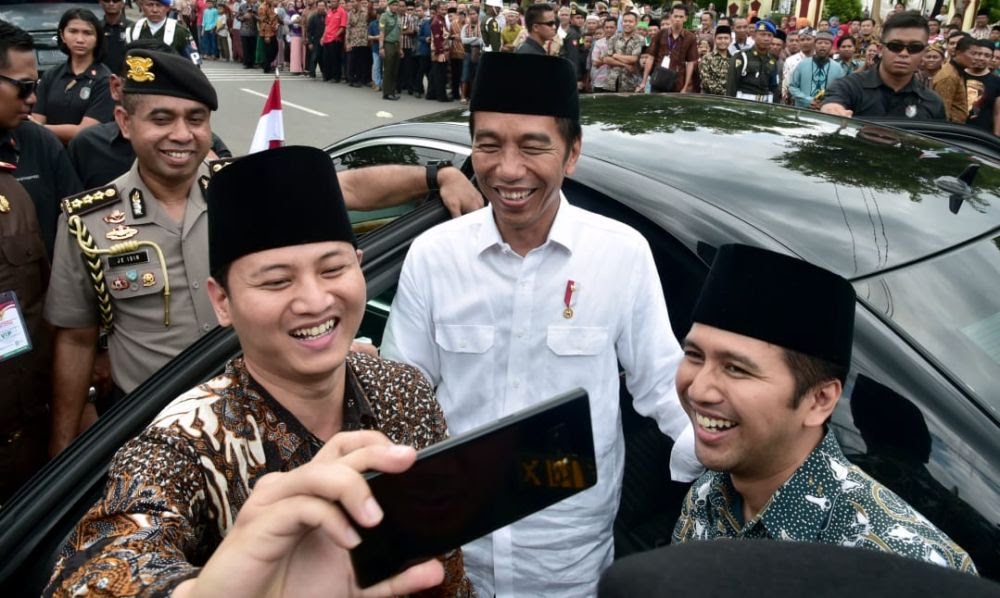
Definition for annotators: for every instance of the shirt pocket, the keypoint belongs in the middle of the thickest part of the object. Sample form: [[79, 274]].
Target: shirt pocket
[[28, 272], [464, 338], [571, 341]]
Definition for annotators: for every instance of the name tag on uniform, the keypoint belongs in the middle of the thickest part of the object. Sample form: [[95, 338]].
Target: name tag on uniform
[[128, 259], [14, 338]]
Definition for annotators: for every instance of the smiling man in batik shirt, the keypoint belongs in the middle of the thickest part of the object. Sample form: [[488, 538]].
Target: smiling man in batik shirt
[[242, 483], [761, 374]]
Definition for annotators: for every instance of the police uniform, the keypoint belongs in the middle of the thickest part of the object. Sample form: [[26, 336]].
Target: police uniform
[[66, 98], [172, 33], [752, 75], [118, 252], [24, 274]]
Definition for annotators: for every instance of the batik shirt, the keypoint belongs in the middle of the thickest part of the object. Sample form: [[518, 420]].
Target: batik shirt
[[827, 500], [174, 492], [620, 78], [714, 72]]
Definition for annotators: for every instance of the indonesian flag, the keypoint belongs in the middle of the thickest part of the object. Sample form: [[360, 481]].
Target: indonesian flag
[[270, 131]]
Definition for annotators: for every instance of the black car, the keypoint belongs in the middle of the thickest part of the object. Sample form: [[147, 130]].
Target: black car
[[41, 21], [913, 222]]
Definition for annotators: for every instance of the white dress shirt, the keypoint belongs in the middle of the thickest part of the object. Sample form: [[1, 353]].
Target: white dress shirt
[[487, 327]]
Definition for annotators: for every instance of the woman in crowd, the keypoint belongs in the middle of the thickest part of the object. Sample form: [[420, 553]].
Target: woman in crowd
[[223, 32], [296, 52], [75, 95]]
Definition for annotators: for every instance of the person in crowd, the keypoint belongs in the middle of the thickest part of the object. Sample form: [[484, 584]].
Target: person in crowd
[[333, 41], [423, 53], [295, 17], [753, 74], [315, 26], [981, 25], [675, 49], [599, 52], [949, 82], [374, 44], [267, 31], [247, 17], [706, 24], [513, 32], [74, 95], [209, 41], [742, 40], [983, 88], [357, 43], [934, 34], [408, 43], [24, 276], [297, 407], [437, 81], [873, 54], [115, 25], [812, 77], [224, 33], [156, 24], [995, 63], [807, 45], [540, 24], [931, 63], [714, 68], [390, 37], [533, 253], [846, 55], [868, 34], [147, 327], [761, 376], [492, 25], [456, 52], [625, 48], [890, 88], [472, 42], [791, 46]]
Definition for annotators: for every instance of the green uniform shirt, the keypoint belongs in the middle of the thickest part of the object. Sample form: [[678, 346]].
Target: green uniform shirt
[[753, 73], [390, 26], [827, 500]]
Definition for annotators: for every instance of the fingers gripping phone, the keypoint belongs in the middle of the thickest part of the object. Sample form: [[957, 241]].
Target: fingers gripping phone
[[470, 485]]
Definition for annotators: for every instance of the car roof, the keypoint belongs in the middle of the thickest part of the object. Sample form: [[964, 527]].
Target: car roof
[[855, 197]]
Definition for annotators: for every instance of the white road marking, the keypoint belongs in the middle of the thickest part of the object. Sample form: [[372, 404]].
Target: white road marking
[[285, 102]]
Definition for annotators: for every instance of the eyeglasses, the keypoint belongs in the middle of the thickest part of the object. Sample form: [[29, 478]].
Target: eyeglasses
[[911, 48], [549, 23], [24, 88]]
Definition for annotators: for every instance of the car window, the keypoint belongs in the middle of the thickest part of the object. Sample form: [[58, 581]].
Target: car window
[[371, 154], [950, 307]]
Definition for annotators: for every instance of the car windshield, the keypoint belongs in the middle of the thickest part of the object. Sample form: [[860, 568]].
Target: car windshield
[[949, 306]]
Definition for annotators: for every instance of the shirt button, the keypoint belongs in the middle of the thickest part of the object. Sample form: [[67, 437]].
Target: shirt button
[[195, 285], [206, 327]]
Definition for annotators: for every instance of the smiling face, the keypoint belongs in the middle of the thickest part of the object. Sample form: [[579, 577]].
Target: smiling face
[[80, 38], [296, 309], [171, 136], [739, 393], [520, 162], [931, 62], [21, 67]]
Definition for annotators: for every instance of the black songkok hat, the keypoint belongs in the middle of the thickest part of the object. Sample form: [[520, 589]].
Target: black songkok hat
[[548, 85], [276, 198], [159, 73], [780, 300], [723, 29]]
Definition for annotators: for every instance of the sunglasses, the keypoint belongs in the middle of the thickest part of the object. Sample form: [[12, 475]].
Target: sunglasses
[[24, 88], [911, 48], [549, 23]]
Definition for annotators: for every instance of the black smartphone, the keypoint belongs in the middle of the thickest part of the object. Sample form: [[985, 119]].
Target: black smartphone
[[472, 484]]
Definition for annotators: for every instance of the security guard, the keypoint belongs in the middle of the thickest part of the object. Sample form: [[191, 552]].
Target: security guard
[[142, 240], [753, 73], [116, 26], [170, 31]]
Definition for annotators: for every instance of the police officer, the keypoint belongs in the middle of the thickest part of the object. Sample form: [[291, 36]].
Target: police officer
[[891, 89], [753, 73], [170, 31], [143, 238]]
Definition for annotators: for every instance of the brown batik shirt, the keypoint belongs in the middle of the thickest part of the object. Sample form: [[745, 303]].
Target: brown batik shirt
[[174, 491]]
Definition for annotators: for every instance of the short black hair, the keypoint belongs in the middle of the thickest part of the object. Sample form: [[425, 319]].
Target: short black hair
[[965, 43], [956, 33], [82, 14], [569, 129], [908, 19], [679, 7], [533, 15], [809, 371], [14, 38], [984, 43], [847, 38], [869, 19]]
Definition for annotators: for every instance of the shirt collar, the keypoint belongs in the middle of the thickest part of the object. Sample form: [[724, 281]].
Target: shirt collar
[[873, 80], [563, 232]]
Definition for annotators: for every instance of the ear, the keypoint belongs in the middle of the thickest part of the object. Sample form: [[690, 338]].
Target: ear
[[122, 117], [820, 402], [360, 254], [220, 301], [574, 155]]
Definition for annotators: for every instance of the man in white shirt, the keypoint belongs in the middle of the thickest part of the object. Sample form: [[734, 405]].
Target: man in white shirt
[[510, 305], [807, 44]]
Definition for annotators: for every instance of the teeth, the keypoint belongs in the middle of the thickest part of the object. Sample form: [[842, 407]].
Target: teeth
[[714, 424], [314, 331], [512, 196], [177, 154]]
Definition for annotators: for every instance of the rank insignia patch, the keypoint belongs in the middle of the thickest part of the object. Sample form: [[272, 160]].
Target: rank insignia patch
[[121, 233], [138, 203], [88, 201]]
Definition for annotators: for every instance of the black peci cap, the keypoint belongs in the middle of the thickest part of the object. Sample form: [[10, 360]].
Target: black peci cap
[[276, 198], [159, 73], [546, 85], [780, 300]]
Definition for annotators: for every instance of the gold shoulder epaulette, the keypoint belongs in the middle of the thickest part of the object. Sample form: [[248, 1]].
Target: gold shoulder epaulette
[[88, 201], [217, 165]]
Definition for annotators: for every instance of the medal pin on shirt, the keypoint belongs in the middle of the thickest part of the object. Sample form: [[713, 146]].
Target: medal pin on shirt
[[571, 289]]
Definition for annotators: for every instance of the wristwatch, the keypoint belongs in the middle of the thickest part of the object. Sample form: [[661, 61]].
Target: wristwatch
[[432, 170]]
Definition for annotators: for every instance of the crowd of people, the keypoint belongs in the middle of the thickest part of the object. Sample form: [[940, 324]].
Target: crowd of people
[[243, 483]]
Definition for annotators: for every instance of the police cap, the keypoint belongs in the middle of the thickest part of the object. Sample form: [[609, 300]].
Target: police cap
[[159, 73]]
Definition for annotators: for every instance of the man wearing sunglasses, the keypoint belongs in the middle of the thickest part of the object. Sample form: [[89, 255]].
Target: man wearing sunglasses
[[116, 26], [42, 166], [891, 89], [540, 20]]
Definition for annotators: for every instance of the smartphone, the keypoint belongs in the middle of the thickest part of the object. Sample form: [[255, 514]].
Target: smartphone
[[472, 484]]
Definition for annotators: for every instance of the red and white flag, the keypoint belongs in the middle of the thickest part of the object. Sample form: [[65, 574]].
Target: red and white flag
[[270, 131]]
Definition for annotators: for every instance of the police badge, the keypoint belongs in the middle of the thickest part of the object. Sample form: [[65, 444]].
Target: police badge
[[85, 93], [911, 111]]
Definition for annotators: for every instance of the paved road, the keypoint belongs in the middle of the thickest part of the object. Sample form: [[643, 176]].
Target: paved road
[[315, 113]]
